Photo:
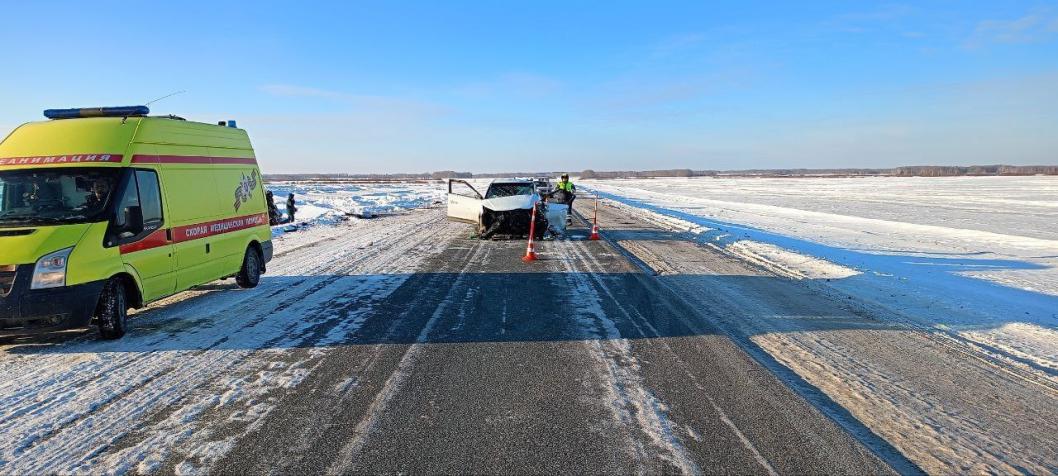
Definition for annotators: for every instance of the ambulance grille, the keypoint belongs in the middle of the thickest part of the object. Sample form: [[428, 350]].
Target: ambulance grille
[[7, 279]]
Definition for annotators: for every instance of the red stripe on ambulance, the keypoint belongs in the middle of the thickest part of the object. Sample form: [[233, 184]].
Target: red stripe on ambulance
[[197, 231], [45, 160], [219, 227], [191, 159], [154, 240]]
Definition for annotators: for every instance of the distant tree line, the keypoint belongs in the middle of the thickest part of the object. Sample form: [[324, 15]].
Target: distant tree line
[[948, 171], [646, 173], [807, 172], [909, 171], [447, 174], [337, 178]]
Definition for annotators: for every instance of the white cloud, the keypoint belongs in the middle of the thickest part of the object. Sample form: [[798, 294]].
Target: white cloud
[[1031, 28]]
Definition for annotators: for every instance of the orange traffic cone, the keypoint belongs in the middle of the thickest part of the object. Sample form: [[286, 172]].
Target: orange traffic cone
[[595, 222], [530, 252]]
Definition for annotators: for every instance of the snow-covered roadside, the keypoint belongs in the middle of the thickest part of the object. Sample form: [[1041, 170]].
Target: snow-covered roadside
[[200, 369], [977, 257], [328, 204]]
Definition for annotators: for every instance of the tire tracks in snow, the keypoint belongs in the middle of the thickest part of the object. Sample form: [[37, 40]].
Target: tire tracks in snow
[[142, 353], [907, 391], [345, 459], [633, 407], [632, 402], [677, 353], [68, 430]]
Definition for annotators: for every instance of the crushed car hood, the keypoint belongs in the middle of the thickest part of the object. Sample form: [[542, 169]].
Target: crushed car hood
[[517, 202]]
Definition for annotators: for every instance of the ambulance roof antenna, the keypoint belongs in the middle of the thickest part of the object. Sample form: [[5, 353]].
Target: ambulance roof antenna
[[166, 97]]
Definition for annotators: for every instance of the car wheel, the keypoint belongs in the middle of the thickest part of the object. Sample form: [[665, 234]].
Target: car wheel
[[112, 310], [250, 274]]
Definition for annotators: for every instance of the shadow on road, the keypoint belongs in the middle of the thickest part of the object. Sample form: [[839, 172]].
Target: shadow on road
[[305, 312], [321, 311]]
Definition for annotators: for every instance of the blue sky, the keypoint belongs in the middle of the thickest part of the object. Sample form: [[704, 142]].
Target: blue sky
[[504, 86]]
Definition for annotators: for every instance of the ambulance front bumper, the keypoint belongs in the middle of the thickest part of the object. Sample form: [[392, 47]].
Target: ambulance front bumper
[[26, 311]]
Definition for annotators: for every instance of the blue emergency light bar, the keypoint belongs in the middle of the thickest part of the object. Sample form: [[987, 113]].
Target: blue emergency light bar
[[124, 111]]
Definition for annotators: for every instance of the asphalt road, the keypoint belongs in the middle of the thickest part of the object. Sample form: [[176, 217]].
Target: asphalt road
[[407, 346], [575, 363]]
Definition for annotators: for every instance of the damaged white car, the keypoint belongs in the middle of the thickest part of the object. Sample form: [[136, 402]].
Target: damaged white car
[[505, 209]]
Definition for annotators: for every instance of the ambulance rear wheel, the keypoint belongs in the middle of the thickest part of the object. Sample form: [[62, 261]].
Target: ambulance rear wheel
[[112, 310], [250, 274]]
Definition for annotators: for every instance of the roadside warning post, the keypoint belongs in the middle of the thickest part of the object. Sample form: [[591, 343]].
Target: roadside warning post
[[530, 253]]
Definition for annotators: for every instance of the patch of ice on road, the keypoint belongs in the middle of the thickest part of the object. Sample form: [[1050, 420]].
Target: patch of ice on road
[[789, 262]]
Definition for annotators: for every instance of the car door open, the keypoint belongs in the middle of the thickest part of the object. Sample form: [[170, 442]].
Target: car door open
[[464, 202]]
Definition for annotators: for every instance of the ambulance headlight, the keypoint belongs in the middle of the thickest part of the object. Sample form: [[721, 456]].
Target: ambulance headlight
[[50, 271]]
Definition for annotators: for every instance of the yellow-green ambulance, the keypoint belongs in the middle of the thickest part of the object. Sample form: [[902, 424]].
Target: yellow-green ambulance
[[106, 209]]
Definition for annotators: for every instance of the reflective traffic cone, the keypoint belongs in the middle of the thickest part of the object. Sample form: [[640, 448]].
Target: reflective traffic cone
[[595, 221], [530, 252]]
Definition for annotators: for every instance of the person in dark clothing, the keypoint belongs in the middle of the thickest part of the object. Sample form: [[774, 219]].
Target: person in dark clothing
[[273, 211], [291, 209]]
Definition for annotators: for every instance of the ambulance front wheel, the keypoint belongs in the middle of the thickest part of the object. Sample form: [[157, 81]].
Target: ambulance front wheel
[[250, 274], [112, 310]]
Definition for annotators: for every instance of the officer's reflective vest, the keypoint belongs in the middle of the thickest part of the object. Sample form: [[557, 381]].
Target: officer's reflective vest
[[567, 186]]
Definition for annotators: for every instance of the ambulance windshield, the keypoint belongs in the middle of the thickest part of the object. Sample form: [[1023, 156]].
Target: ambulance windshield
[[55, 196]]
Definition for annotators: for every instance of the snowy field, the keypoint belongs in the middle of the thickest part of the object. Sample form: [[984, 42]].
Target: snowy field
[[975, 256], [322, 203]]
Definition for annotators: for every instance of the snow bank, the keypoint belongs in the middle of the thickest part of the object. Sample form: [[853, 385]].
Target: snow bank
[[974, 256], [328, 204]]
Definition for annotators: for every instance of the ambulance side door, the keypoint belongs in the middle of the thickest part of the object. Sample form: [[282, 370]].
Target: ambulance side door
[[193, 202], [142, 235]]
